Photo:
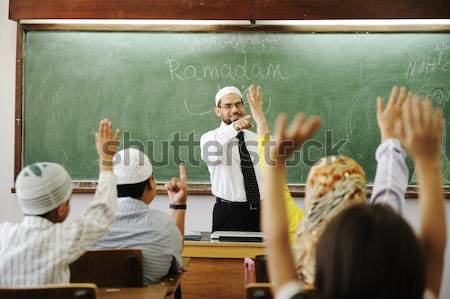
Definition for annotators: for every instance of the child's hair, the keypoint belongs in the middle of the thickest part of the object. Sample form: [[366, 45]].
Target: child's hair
[[369, 251], [132, 190]]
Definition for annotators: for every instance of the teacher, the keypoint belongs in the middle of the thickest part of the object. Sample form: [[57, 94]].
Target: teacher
[[230, 152]]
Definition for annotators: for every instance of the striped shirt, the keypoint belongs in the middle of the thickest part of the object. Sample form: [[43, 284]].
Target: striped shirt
[[37, 251], [152, 231], [391, 179]]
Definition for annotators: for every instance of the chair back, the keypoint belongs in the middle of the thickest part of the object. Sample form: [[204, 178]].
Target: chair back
[[109, 268], [261, 272]]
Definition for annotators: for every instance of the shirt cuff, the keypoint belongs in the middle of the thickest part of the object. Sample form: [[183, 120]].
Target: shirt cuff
[[389, 145], [289, 290]]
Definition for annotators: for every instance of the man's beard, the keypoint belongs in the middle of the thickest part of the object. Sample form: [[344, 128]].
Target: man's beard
[[235, 117]]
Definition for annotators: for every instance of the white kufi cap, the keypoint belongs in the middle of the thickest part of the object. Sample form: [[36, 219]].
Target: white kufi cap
[[131, 166], [227, 90], [42, 187]]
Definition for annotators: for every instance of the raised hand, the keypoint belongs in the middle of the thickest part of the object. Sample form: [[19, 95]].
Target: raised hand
[[256, 107], [288, 140], [106, 143], [422, 140], [422, 129], [255, 100], [243, 123], [389, 119], [177, 187]]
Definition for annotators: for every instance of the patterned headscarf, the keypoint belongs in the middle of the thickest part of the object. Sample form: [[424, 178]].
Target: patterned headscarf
[[333, 184]]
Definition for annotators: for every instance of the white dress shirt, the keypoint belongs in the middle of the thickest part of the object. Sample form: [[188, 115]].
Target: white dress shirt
[[220, 151], [37, 251]]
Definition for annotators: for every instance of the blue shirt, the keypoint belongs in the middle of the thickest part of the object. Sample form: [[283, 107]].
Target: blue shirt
[[391, 179], [152, 231]]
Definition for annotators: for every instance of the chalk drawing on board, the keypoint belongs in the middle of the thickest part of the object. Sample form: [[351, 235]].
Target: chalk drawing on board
[[65, 156], [355, 116], [440, 97], [195, 113], [361, 124], [269, 100]]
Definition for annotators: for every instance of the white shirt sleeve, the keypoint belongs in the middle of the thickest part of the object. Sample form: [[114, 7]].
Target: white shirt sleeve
[[94, 222], [428, 295], [289, 290]]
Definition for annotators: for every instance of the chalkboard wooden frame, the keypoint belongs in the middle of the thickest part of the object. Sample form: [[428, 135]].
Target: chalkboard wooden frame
[[228, 10], [297, 190]]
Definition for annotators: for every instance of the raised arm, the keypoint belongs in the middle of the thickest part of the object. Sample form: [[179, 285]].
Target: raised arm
[[274, 221], [294, 213], [391, 177], [177, 192], [256, 107], [98, 217], [422, 140]]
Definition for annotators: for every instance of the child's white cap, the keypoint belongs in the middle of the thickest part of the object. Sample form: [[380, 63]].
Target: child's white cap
[[42, 187], [131, 166]]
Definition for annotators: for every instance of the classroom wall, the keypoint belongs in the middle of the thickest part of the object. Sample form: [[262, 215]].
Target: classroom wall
[[200, 207], [9, 209]]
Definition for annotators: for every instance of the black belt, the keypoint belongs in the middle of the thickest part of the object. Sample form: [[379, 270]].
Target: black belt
[[221, 201], [243, 204]]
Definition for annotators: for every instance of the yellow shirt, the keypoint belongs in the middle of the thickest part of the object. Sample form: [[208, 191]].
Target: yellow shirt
[[294, 213]]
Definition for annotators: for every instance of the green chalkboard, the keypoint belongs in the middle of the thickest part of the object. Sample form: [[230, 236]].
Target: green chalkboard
[[158, 87]]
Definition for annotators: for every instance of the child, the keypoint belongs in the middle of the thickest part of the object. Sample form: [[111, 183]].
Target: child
[[39, 250], [366, 251]]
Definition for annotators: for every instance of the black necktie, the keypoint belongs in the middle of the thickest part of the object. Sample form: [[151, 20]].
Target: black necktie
[[250, 182]]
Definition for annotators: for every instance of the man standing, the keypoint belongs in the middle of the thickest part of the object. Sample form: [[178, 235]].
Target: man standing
[[235, 180]]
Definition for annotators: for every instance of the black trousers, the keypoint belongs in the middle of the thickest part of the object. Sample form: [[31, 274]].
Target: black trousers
[[235, 216]]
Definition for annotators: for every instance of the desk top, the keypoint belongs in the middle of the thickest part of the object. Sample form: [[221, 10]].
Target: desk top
[[157, 291], [217, 249]]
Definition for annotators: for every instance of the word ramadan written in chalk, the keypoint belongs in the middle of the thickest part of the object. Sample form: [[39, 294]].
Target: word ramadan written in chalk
[[244, 71]]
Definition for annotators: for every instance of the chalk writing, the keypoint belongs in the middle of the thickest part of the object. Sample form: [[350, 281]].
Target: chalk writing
[[242, 43], [442, 46], [430, 65], [242, 71]]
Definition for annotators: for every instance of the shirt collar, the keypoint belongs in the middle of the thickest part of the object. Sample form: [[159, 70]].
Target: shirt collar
[[222, 125], [36, 221], [132, 203]]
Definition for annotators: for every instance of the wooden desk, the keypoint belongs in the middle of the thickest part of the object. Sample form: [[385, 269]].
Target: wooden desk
[[158, 291], [216, 269]]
